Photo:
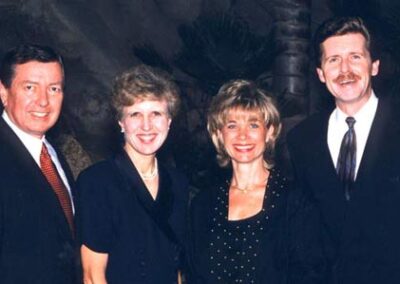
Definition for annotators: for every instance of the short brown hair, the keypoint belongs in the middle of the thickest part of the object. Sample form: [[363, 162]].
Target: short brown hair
[[337, 27], [144, 82], [25, 53], [242, 95]]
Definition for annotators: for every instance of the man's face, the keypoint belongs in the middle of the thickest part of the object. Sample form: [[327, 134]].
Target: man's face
[[346, 69], [33, 101]]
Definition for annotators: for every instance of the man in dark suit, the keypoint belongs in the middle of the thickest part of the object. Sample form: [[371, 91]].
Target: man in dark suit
[[36, 208], [348, 161]]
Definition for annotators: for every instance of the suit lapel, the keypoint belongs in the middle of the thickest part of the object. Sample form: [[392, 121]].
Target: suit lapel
[[24, 165], [322, 169], [160, 209], [376, 140], [381, 151], [322, 178]]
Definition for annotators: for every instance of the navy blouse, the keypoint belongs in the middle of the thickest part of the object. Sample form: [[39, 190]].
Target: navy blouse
[[117, 215]]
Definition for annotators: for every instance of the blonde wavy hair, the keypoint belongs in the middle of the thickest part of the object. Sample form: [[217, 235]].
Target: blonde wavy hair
[[242, 95]]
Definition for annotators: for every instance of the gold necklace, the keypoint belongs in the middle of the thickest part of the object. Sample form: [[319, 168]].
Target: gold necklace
[[152, 174], [245, 190], [242, 190]]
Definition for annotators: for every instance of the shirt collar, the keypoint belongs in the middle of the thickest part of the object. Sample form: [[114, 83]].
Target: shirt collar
[[365, 114], [31, 143]]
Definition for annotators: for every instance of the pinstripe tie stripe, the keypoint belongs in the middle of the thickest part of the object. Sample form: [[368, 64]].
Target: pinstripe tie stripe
[[346, 165], [56, 183]]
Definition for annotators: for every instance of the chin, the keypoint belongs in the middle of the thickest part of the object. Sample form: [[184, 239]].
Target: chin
[[148, 151]]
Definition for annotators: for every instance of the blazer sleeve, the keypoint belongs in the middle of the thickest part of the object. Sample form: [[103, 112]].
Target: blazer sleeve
[[94, 210], [307, 263]]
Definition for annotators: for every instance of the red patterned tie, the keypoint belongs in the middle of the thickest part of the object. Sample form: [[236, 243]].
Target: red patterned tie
[[56, 183]]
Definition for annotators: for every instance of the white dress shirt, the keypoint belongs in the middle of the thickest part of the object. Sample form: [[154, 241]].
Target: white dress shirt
[[34, 147], [337, 128]]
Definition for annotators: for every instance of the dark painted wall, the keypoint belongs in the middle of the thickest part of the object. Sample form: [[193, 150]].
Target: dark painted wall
[[203, 43]]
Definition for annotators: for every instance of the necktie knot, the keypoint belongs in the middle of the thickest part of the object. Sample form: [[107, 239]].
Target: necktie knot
[[350, 121], [44, 155]]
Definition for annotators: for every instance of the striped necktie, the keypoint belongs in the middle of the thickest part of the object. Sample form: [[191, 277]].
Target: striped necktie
[[56, 183], [346, 164]]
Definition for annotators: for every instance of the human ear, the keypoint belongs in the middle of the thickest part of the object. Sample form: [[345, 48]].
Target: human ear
[[3, 94], [269, 133], [321, 75], [375, 68], [122, 126]]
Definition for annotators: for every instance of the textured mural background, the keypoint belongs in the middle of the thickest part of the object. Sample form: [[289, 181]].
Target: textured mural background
[[203, 43]]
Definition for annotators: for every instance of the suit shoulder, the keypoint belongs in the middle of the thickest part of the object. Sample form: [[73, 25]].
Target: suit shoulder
[[180, 183], [202, 198], [100, 173], [176, 175], [307, 127]]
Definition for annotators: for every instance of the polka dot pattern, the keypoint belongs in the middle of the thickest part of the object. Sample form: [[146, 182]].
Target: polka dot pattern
[[235, 245]]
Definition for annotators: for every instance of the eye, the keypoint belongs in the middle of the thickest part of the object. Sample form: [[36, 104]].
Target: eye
[[254, 125], [134, 114], [55, 89], [356, 56], [333, 59], [231, 126], [29, 87], [157, 113]]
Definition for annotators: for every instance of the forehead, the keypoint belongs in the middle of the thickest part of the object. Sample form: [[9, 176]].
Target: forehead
[[148, 105], [244, 115], [35, 70], [352, 42]]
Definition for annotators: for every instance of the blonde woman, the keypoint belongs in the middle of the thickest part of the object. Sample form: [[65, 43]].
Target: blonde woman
[[243, 229]]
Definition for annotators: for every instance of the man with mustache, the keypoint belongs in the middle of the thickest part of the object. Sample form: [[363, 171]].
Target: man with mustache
[[347, 161]]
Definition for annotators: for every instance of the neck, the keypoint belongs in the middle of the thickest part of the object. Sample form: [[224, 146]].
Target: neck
[[145, 164], [351, 108], [246, 176]]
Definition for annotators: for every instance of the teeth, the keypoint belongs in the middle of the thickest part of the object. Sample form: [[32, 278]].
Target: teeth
[[346, 82], [40, 114], [146, 137], [243, 147]]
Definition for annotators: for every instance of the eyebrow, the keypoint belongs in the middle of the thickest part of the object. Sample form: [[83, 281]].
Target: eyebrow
[[37, 82], [29, 82], [254, 119]]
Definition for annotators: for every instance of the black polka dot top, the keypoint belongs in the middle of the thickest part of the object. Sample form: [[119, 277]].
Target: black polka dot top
[[235, 245]]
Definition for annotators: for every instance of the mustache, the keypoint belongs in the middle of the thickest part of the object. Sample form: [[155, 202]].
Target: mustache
[[346, 77]]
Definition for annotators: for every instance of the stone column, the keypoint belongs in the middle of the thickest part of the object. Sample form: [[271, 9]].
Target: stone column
[[291, 66]]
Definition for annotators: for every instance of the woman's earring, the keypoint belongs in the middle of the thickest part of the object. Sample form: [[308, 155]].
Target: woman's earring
[[122, 130]]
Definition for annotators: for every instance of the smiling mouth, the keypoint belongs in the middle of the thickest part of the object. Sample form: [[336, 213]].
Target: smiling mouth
[[148, 138], [40, 114], [243, 148], [346, 82]]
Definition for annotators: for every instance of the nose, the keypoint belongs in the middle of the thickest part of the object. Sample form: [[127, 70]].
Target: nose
[[242, 133], [43, 98], [344, 66], [146, 123]]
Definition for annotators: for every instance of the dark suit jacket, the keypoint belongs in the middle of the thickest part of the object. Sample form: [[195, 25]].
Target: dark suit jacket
[[362, 236], [116, 215], [36, 244]]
